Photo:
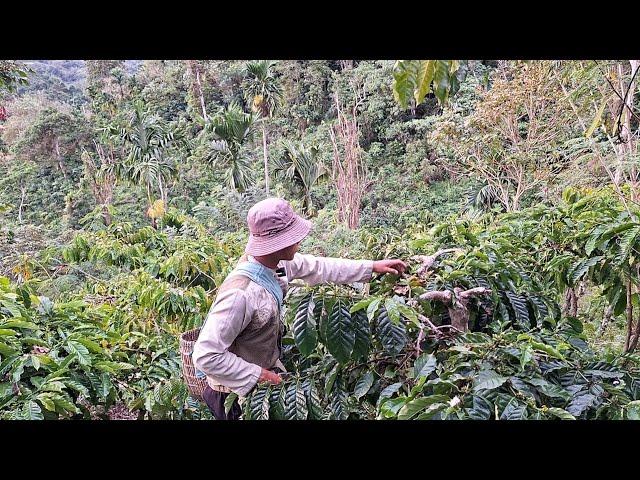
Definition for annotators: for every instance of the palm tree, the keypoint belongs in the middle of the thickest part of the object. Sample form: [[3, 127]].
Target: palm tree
[[263, 91], [148, 162], [231, 129], [301, 166]]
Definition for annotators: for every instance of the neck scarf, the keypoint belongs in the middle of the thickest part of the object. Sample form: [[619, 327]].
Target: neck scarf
[[264, 277]]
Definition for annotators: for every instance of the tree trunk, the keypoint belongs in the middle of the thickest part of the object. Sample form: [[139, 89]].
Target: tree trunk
[[59, 158], [197, 86], [628, 136], [23, 194], [570, 302], [629, 317], [266, 159], [606, 318], [106, 215]]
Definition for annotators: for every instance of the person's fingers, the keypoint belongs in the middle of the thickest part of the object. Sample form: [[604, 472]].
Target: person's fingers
[[398, 265], [390, 270]]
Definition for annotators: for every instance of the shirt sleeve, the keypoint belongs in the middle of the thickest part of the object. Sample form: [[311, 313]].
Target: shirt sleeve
[[314, 270], [228, 316]]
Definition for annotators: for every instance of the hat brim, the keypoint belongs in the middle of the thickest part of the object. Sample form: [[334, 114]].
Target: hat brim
[[298, 230]]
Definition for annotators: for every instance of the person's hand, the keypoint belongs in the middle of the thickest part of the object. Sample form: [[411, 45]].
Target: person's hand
[[393, 266], [269, 377]]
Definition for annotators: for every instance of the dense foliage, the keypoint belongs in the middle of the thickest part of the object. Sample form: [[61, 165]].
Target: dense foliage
[[511, 189]]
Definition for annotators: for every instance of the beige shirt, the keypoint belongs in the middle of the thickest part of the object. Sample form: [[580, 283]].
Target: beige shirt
[[243, 328]]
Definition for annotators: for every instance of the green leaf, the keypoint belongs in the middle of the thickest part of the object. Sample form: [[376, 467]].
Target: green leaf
[[404, 80], [64, 404], [338, 403], [304, 326], [19, 324], [80, 351], [331, 378], [35, 361], [409, 314], [580, 268], [362, 330], [90, 344], [526, 355], [46, 401], [18, 369], [77, 386], [363, 385], [560, 413], [548, 349], [549, 389], [6, 350], [105, 386], [514, 411], [488, 380], [425, 364], [32, 411], [519, 305], [633, 410], [393, 337], [295, 403], [426, 72], [276, 402], [432, 410], [441, 80], [417, 405], [596, 120], [391, 306], [388, 391], [482, 409], [373, 308], [340, 333], [592, 241], [627, 244], [362, 304], [6, 389], [259, 403], [11, 306], [581, 402], [313, 400], [53, 386]]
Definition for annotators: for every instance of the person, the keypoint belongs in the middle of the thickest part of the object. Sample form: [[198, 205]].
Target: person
[[239, 344]]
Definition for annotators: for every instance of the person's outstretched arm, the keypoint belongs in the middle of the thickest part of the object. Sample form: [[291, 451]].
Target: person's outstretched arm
[[314, 270]]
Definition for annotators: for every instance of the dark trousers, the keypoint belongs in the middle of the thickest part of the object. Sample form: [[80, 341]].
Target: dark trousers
[[215, 401]]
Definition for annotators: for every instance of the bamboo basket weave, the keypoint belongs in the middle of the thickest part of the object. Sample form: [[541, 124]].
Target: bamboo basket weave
[[195, 385]]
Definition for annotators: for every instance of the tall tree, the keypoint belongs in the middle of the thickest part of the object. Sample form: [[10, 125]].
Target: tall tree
[[222, 144], [54, 135], [100, 70], [303, 168], [263, 91], [100, 172], [12, 74], [149, 162], [507, 141], [197, 79]]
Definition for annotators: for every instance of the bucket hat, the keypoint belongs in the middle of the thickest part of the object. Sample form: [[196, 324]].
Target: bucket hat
[[273, 225]]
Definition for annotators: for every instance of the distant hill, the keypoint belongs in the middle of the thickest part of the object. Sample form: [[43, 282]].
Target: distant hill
[[64, 80]]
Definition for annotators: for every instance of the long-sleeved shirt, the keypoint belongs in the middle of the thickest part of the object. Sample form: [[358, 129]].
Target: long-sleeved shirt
[[243, 328]]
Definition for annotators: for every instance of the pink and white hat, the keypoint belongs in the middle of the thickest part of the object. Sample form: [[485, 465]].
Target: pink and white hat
[[273, 225]]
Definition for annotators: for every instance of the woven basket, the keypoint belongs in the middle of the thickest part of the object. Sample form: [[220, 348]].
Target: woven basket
[[195, 385]]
